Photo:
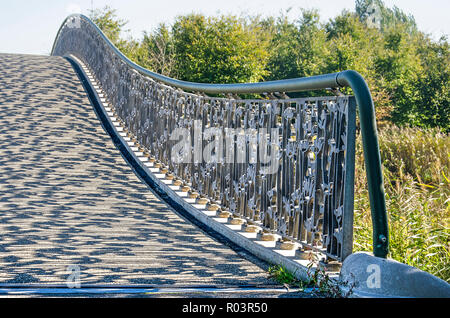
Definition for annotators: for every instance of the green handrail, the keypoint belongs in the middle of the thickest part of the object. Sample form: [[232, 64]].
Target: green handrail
[[372, 159]]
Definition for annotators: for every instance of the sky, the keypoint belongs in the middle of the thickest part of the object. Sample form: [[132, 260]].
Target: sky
[[30, 26]]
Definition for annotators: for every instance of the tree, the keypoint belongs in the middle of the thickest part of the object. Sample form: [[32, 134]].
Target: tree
[[221, 49], [431, 108], [352, 45], [388, 17], [107, 20], [112, 26], [398, 66], [298, 49], [159, 53]]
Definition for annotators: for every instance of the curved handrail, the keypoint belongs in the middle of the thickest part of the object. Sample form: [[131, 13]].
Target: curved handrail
[[347, 78]]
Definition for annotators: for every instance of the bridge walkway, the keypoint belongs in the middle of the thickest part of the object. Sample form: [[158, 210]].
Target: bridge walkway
[[69, 198]]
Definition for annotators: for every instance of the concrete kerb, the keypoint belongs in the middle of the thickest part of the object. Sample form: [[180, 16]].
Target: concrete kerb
[[378, 277]]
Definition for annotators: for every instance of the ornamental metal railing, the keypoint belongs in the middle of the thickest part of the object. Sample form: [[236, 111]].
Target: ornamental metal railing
[[285, 163]]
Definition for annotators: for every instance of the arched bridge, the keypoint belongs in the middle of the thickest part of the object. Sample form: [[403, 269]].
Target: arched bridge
[[112, 174]]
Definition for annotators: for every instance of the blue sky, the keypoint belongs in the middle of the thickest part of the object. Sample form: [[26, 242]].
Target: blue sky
[[30, 26]]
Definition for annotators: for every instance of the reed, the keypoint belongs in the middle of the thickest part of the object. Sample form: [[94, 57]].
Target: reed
[[416, 169]]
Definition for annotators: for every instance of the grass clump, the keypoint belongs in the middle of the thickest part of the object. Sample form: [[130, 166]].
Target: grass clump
[[318, 281], [282, 276]]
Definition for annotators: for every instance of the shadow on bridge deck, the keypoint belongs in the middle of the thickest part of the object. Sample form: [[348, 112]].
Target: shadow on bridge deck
[[67, 197]]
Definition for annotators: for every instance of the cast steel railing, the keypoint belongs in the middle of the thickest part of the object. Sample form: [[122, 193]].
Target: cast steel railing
[[286, 164]]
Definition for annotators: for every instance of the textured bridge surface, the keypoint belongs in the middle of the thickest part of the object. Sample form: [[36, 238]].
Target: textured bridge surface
[[67, 197]]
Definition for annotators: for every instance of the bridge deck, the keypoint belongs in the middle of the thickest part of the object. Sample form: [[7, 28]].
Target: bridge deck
[[67, 196]]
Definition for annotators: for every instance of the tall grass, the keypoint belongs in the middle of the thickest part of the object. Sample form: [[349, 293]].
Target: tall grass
[[416, 173]]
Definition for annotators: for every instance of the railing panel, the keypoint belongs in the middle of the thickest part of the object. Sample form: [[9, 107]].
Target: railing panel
[[284, 164]]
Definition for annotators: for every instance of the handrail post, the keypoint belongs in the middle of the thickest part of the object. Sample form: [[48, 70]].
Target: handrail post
[[372, 159]]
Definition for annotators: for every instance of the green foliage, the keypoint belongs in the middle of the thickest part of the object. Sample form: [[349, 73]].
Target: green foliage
[[297, 49], [106, 19], [398, 66], [221, 49], [159, 51], [351, 45], [432, 89]]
